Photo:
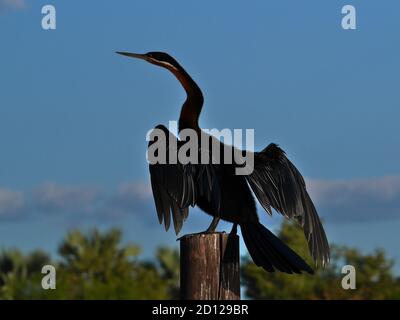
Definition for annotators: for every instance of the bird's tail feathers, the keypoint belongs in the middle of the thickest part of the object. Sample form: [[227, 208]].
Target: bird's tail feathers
[[269, 252]]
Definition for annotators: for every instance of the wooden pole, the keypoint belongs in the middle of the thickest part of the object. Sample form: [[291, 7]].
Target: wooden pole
[[210, 268]]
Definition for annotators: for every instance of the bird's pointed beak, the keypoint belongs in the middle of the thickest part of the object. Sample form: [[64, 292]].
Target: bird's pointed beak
[[133, 55]]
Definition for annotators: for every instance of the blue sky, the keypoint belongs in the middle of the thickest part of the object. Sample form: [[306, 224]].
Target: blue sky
[[74, 115]]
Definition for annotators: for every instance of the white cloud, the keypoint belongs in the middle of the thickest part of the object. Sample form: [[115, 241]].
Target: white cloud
[[53, 197], [137, 190], [131, 198], [341, 201], [92, 202], [11, 202], [357, 200], [12, 4]]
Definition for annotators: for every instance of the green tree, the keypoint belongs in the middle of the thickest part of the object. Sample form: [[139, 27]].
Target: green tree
[[374, 274], [168, 259], [20, 275], [93, 265], [97, 266]]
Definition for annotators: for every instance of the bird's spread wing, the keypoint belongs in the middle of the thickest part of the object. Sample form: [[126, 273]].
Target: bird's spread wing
[[277, 183], [177, 186]]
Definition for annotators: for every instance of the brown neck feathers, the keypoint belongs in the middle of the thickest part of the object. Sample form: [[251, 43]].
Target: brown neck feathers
[[194, 102]]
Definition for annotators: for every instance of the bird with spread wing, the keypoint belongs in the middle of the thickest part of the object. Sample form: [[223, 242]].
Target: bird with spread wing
[[220, 192]]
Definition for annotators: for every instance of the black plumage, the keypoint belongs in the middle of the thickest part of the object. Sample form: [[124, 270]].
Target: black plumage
[[218, 191]]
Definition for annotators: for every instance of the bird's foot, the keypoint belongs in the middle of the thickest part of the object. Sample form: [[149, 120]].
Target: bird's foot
[[210, 229], [234, 229], [198, 233]]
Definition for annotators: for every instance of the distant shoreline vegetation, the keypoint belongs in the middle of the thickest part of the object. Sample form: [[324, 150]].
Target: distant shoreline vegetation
[[95, 265]]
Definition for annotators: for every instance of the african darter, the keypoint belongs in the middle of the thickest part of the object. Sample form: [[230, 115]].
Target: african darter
[[218, 191]]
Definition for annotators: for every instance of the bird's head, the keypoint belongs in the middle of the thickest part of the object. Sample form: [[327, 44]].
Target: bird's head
[[161, 59]]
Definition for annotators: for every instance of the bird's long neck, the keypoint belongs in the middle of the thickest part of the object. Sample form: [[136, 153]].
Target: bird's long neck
[[191, 108]]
